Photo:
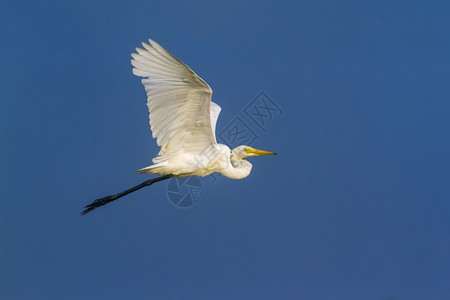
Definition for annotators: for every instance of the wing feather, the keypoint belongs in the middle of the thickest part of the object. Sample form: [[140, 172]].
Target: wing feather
[[215, 111], [182, 116]]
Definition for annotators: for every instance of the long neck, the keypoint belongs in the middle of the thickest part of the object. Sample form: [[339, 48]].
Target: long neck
[[237, 168]]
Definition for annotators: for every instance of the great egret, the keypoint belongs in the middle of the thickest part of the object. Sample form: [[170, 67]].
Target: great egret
[[183, 120]]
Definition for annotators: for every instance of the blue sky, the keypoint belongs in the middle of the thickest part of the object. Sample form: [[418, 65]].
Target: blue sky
[[355, 206]]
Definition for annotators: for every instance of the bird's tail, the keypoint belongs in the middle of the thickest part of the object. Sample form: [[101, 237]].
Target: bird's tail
[[153, 169]]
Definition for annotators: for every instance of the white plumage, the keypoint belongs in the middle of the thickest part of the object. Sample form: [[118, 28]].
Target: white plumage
[[183, 119]]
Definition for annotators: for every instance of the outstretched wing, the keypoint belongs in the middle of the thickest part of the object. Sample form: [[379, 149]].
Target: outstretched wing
[[179, 101]]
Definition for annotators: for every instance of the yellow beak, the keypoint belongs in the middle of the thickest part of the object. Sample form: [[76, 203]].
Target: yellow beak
[[259, 152]]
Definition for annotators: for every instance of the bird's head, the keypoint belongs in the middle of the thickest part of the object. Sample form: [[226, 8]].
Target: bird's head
[[243, 151]]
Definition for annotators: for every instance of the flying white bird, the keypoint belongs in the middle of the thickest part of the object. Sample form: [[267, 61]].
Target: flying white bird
[[183, 120]]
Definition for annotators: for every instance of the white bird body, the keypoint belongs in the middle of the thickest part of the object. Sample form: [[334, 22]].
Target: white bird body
[[218, 159], [183, 119]]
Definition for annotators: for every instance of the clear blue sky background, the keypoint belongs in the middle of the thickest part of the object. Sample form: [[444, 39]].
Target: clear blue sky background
[[355, 206]]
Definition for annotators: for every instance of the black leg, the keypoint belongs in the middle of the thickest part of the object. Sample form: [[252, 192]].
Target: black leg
[[106, 200]]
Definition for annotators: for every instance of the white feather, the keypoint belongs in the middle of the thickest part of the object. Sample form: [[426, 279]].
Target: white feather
[[179, 101], [183, 119]]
